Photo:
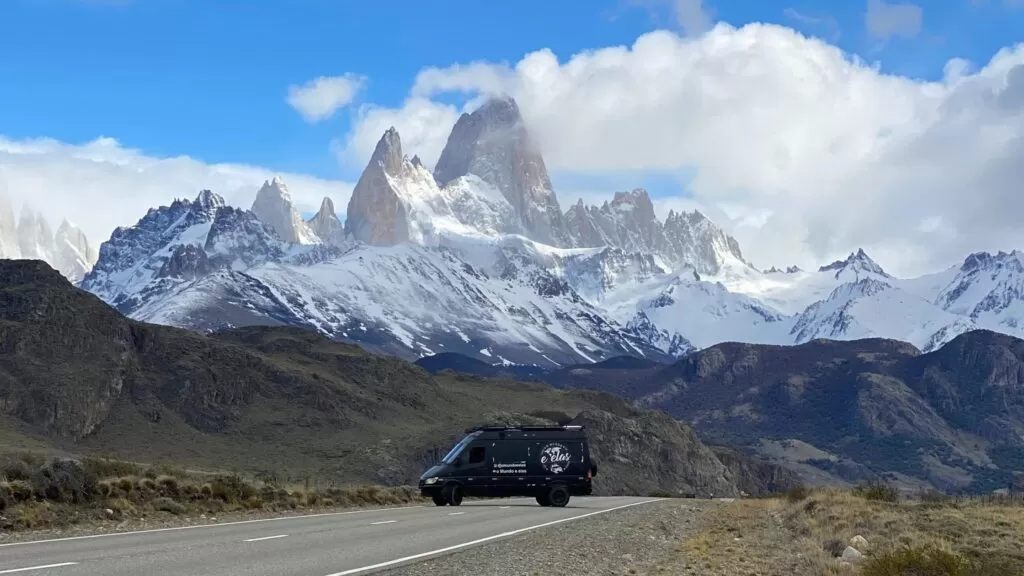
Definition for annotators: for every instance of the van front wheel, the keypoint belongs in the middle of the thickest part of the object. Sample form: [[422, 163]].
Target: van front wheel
[[453, 494], [439, 499], [558, 496], [542, 499]]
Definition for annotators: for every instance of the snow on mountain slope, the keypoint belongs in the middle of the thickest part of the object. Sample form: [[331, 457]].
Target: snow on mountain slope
[[793, 291], [208, 266], [685, 307], [870, 308], [989, 289]]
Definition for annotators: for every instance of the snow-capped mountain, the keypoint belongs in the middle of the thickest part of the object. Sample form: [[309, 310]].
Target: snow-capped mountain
[[204, 265], [31, 237], [476, 257]]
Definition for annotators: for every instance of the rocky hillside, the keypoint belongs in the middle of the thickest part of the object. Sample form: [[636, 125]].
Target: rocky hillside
[[850, 411], [77, 376]]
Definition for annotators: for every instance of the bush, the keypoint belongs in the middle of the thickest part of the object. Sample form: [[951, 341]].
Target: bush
[[834, 547], [168, 505], [877, 491], [108, 468], [797, 494], [932, 561], [231, 489], [65, 481]]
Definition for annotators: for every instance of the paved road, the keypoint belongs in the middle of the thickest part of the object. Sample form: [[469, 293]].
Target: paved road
[[339, 544]]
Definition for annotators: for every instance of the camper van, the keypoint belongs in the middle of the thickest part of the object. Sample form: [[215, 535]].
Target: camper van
[[550, 463]]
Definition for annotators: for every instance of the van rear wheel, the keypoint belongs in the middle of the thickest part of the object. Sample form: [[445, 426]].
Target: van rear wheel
[[453, 494], [542, 499], [558, 496]]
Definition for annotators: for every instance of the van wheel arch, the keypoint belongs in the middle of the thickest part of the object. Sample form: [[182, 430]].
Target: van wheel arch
[[453, 493], [557, 495]]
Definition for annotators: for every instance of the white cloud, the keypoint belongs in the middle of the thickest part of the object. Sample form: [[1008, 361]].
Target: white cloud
[[823, 153], [321, 97], [101, 185], [422, 124], [884, 20]]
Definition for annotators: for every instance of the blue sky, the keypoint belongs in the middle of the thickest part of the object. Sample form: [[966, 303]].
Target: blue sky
[[208, 78]]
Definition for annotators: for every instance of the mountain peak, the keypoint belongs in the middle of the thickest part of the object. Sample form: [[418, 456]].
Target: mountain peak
[[326, 206], [501, 108], [493, 144], [858, 261], [376, 213], [273, 205], [388, 152], [987, 261], [637, 201], [207, 200]]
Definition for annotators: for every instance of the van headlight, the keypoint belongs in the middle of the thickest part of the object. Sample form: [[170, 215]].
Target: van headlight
[[429, 481]]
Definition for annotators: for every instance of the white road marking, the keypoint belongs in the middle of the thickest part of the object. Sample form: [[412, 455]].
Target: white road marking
[[383, 522], [266, 538], [504, 507], [301, 517], [38, 567], [455, 513], [482, 540]]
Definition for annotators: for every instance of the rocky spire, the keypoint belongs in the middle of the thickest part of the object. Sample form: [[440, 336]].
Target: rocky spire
[[376, 214], [8, 229], [74, 256], [35, 239], [273, 205], [856, 263], [493, 144], [326, 225]]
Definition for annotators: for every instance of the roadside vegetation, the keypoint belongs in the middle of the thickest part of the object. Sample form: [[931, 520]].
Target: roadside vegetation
[[870, 531], [38, 493]]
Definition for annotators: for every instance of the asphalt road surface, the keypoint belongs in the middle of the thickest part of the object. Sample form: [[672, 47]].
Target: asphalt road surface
[[337, 544]]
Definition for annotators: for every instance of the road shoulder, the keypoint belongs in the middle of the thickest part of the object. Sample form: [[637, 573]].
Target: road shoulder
[[635, 540]]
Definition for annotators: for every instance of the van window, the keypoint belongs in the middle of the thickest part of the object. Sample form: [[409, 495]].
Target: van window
[[476, 454], [457, 449]]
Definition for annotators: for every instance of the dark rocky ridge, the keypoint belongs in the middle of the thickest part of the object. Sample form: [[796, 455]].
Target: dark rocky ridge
[[77, 375], [876, 408]]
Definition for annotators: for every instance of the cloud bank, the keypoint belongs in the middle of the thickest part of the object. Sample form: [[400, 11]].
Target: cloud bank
[[101, 185], [810, 152]]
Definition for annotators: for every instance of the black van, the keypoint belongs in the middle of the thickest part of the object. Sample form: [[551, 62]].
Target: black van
[[549, 463]]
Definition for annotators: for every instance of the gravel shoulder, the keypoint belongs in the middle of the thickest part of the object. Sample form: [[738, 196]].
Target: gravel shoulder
[[639, 540]]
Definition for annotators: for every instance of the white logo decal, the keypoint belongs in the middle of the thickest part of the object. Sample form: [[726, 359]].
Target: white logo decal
[[555, 458]]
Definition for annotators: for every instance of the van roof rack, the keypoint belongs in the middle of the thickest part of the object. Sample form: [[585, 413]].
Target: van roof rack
[[523, 428]]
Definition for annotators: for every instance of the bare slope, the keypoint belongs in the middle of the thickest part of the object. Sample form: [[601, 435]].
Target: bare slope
[[78, 376]]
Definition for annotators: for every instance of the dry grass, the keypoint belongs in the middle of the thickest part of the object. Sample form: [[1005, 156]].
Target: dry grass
[[798, 537], [37, 494]]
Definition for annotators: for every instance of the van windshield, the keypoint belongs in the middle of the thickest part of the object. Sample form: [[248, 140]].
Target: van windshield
[[455, 451]]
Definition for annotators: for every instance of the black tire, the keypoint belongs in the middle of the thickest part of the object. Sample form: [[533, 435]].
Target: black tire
[[558, 496], [439, 499], [542, 499], [453, 494]]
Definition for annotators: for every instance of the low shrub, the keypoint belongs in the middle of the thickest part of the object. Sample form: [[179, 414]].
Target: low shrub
[[933, 561], [877, 491], [164, 504], [797, 494]]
